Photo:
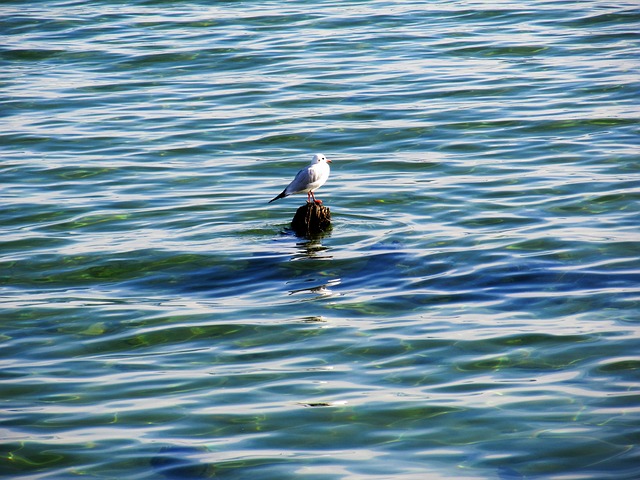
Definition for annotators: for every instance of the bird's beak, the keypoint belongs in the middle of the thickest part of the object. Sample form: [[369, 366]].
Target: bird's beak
[[329, 161]]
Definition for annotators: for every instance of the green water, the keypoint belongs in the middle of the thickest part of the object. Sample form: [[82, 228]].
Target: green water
[[472, 314]]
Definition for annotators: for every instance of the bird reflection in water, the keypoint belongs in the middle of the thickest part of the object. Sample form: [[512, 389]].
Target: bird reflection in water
[[323, 290]]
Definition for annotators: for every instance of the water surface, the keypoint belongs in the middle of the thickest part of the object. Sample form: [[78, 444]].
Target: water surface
[[473, 313]]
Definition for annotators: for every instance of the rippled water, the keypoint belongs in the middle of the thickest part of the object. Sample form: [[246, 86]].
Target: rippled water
[[473, 313]]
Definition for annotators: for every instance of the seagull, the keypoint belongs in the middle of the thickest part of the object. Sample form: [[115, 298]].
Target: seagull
[[309, 179]]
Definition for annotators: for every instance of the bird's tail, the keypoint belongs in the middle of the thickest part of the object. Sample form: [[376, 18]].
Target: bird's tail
[[282, 195]]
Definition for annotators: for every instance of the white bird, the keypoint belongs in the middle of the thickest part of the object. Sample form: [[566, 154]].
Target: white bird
[[309, 179]]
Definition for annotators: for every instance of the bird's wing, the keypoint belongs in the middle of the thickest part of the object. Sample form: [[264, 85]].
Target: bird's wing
[[315, 174], [300, 182]]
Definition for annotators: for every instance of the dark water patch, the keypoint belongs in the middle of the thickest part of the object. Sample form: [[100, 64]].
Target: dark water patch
[[502, 51], [618, 18], [612, 37], [30, 54], [620, 366], [174, 462]]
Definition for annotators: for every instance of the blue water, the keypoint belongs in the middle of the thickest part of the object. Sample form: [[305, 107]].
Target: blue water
[[473, 313]]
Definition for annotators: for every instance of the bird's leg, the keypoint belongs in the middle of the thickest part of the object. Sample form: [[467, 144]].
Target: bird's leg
[[318, 202], [309, 197]]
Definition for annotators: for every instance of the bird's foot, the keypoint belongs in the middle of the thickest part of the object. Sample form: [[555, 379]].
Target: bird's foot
[[318, 202]]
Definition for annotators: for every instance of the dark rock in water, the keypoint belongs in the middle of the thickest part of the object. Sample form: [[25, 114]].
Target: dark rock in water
[[311, 219]]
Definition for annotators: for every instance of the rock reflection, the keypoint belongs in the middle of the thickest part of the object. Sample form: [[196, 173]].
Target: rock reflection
[[312, 247], [314, 274]]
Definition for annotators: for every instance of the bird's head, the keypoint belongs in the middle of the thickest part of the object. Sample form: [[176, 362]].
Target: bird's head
[[319, 158]]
